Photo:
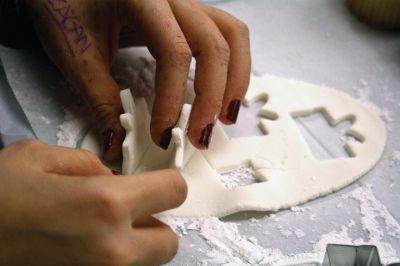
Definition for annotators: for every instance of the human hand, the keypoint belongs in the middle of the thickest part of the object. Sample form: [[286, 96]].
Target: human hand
[[82, 38], [61, 206]]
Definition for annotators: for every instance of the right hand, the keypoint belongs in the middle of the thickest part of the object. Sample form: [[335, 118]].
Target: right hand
[[61, 206]]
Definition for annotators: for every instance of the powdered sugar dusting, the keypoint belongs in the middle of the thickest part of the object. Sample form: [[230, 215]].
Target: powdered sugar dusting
[[363, 93], [372, 211], [227, 245], [76, 122], [395, 158], [242, 176]]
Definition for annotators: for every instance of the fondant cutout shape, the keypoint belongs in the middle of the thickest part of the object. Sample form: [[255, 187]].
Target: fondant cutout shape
[[287, 171]]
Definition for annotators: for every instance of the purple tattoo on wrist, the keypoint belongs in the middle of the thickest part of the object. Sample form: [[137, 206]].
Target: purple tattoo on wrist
[[69, 23]]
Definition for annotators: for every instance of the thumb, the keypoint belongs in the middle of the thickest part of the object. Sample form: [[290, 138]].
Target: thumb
[[101, 92]]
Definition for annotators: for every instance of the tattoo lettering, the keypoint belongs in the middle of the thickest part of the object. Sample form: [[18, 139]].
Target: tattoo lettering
[[69, 23]]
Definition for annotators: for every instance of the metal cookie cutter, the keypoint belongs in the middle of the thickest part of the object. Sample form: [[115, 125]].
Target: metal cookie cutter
[[346, 255]]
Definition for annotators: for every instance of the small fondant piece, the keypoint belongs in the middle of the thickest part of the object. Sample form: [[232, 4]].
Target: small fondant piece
[[183, 148], [135, 121]]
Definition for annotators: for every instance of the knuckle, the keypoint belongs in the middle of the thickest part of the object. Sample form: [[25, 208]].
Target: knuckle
[[88, 158], [27, 150], [221, 50], [106, 204], [107, 112], [242, 28], [29, 144], [180, 55]]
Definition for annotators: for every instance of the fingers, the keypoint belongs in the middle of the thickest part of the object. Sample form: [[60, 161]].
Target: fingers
[[154, 243], [168, 45], [71, 162], [140, 195], [102, 94], [211, 51], [236, 34], [174, 31], [130, 37], [58, 160], [158, 243], [116, 210], [154, 192], [84, 54]]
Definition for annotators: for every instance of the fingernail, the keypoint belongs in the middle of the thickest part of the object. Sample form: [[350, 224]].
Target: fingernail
[[233, 110], [166, 138], [108, 136], [114, 172], [206, 135]]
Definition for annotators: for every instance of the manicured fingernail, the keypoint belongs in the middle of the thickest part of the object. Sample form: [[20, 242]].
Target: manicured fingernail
[[166, 138], [114, 172], [233, 110], [108, 136], [206, 135]]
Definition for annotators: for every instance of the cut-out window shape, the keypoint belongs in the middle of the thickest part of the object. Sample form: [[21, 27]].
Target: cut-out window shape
[[248, 122], [326, 140], [242, 176]]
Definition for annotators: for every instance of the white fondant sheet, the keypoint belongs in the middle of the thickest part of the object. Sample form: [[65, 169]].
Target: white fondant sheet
[[284, 165]]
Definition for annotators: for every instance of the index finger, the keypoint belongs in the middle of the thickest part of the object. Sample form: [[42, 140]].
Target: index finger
[[154, 192], [168, 45]]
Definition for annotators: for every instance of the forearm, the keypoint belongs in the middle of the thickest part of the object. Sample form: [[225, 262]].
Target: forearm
[[15, 28]]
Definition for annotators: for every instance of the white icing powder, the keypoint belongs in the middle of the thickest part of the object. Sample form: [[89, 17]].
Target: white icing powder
[[299, 233], [395, 158], [227, 245], [45, 120], [76, 122], [363, 93], [242, 176], [285, 232], [351, 223]]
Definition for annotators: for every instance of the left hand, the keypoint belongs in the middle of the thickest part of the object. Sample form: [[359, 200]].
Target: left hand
[[82, 37]]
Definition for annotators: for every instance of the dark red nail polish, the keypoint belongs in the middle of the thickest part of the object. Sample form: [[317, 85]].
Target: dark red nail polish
[[108, 136], [114, 172], [206, 135], [233, 110], [166, 138]]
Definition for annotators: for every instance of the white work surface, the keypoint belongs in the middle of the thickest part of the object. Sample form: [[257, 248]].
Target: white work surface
[[314, 41]]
